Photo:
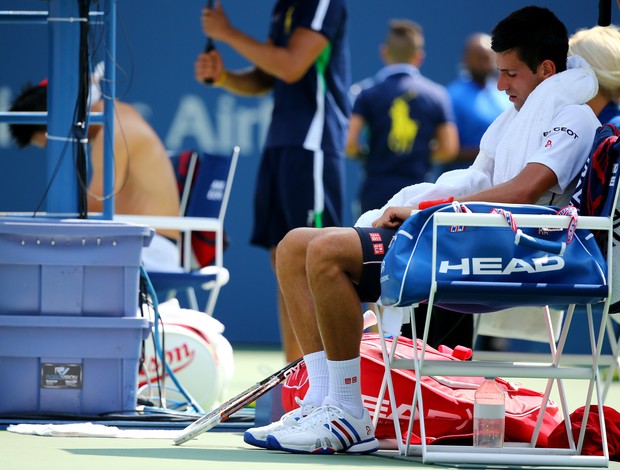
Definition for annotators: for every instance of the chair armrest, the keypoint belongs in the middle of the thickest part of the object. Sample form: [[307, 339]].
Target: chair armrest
[[186, 225], [522, 220], [206, 278]]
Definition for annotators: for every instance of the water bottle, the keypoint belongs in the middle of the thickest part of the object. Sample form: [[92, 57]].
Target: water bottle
[[489, 414]]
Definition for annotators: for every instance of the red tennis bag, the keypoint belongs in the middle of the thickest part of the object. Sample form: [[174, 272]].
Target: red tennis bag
[[448, 401]]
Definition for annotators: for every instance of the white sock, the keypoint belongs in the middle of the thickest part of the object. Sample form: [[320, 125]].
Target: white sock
[[318, 377], [345, 385]]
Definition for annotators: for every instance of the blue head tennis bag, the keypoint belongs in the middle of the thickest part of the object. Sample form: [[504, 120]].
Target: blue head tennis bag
[[517, 262]]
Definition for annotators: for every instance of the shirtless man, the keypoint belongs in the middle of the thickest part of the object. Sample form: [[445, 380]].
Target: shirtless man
[[144, 181]]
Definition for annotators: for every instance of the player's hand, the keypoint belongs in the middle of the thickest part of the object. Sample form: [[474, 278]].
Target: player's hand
[[393, 217], [208, 66], [215, 23]]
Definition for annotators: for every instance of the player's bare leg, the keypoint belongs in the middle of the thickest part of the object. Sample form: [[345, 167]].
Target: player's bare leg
[[290, 346], [316, 267]]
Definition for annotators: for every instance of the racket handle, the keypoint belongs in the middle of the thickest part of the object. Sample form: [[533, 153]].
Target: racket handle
[[209, 47], [604, 12]]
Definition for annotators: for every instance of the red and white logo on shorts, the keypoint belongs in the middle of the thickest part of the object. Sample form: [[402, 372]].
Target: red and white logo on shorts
[[378, 248], [375, 237]]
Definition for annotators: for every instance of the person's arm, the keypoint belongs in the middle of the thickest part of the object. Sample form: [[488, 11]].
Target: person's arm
[[525, 188], [248, 82], [356, 125], [288, 63], [446, 146]]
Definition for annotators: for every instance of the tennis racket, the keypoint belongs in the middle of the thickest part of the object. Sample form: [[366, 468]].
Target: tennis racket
[[227, 409]]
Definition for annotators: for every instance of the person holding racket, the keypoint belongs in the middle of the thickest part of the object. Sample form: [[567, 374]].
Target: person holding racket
[[532, 153], [305, 64]]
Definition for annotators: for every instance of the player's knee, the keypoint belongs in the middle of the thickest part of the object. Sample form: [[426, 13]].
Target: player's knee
[[324, 254], [291, 242], [291, 249]]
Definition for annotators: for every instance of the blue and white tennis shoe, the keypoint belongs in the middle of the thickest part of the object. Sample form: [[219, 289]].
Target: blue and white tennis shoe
[[258, 436], [327, 430]]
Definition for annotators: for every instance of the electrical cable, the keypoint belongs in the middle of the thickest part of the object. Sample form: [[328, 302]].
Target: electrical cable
[[145, 303], [156, 338], [80, 128], [98, 39], [128, 74]]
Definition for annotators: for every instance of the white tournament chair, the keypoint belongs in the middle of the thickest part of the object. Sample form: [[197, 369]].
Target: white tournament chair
[[204, 201], [461, 293], [554, 372]]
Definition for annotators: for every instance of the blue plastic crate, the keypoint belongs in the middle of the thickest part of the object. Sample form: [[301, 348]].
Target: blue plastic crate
[[72, 365], [70, 267]]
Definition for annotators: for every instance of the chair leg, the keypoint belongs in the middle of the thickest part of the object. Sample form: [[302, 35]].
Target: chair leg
[[418, 360], [381, 394], [596, 343], [213, 294], [387, 359], [597, 346], [555, 356], [614, 366], [192, 299], [475, 334], [387, 382]]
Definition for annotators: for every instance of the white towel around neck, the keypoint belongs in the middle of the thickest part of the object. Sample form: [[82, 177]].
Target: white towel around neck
[[508, 149], [576, 85]]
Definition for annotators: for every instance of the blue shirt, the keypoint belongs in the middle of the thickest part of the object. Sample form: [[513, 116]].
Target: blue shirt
[[402, 110], [312, 112], [610, 114], [475, 108]]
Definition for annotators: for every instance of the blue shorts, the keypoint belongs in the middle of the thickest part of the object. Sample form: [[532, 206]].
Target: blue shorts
[[375, 242], [288, 196]]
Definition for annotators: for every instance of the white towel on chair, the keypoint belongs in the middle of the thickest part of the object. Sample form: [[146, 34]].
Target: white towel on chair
[[90, 430], [508, 141]]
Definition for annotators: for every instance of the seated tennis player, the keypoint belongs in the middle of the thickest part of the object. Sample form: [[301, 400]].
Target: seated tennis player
[[144, 181], [532, 153]]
